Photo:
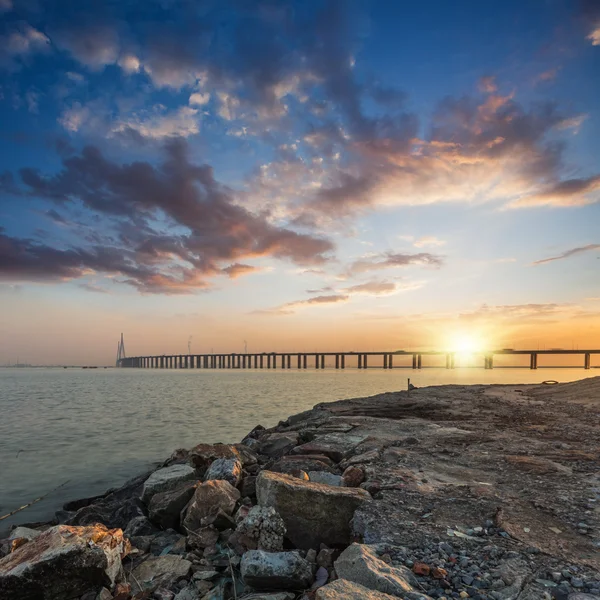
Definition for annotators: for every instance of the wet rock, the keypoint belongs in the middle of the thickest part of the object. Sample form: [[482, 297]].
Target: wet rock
[[276, 570], [139, 526], [312, 513], [337, 446], [291, 464], [209, 497], [227, 469], [165, 507], [353, 476], [360, 564], [63, 562], [325, 478], [166, 479], [276, 445], [203, 455], [23, 532], [342, 589], [264, 527], [159, 571]]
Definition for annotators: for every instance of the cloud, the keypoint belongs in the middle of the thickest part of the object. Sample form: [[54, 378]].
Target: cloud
[[428, 240], [183, 122], [206, 227], [238, 269], [568, 253], [22, 41], [199, 98], [388, 260], [545, 76], [291, 307], [322, 290], [590, 11], [74, 117], [89, 40], [488, 85], [90, 287], [569, 192]]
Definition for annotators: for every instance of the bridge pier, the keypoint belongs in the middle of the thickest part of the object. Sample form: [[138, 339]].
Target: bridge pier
[[343, 365], [587, 361], [533, 360], [419, 361], [360, 361], [414, 361], [385, 359]]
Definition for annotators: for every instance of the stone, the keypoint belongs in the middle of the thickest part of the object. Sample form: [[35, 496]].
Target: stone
[[23, 532], [265, 527], [337, 446], [341, 589], [63, 562], [104, 594], [312, 513], [209, 497], [248, 487], [188, 593], [326, 556], [167, 542], [582, 596], [276, 445], [325, 478], [360, 564], [276, 570], [420, 568], [139, 526], [353, 476], [203, 455], [227, 469], [290, 464], [203, 537], [166, 479], [159, 571], [276, 596], [165, 507]]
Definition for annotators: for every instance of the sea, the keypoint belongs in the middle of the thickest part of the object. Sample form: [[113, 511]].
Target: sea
[[87, 430]]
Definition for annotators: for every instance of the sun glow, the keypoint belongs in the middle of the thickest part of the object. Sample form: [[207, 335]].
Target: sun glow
[[466, 344]]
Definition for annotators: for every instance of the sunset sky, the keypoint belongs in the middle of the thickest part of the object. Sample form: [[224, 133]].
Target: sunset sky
[[307, 175]]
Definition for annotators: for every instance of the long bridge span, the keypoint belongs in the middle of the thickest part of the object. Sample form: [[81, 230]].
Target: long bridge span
[[337, 360]]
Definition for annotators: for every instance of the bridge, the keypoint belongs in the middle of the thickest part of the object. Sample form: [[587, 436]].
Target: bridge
[[361, 360]]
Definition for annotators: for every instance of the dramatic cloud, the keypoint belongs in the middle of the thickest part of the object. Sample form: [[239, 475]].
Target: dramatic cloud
[[389, 260], [570, 192], [568, 253], [181, 123], [183, 193], [238, 269]]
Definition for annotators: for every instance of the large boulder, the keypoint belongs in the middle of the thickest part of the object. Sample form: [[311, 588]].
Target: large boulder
[[227, 469], [203, 455], [209, 498], [276, 570], [264, 527], [360, 564], [312, 513], [292, 464], [165, 507], [276, 445], [341, 589], [325, 478], [166, 479], [63, 562], [337, 446], [159, 570]]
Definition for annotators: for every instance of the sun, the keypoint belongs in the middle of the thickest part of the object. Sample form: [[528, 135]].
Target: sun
[[466, 344]]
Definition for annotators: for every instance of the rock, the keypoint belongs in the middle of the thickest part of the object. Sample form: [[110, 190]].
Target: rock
[[336, 446], [139, 526], [208, 498], [227, 469], [276, 570], [159, 571], [582, 596], [188, 593], [122, 591], [104, 594], [246, 455], [325, 557], [63, 562], [276, 596], [341, 589], [312, 513], [353, 476], [23, 532], [165, 507], [203, 455], [167, 542], [325, 478], [203, 537], [265, 527], [358, 563], [291, 464], [359, 459], [166, 479], [248, 487], [276, 445]]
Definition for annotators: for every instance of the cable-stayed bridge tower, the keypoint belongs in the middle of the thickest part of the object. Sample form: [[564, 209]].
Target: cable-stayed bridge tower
[[120, 351]]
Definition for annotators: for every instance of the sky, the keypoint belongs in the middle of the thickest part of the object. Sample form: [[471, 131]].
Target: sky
[[297, 176]]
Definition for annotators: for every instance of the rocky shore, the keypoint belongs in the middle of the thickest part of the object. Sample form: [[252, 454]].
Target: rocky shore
[[483, 492]]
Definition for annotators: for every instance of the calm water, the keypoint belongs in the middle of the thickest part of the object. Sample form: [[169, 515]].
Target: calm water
[[97, 428]]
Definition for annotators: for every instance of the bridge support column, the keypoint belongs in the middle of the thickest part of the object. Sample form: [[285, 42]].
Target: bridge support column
[[385, 357], [364, 361], [299, 361], [322, 361], [289, 361], [360, 361], [304, 361], [587, 361], [533, 361], [337, 361], [390, 361], [414, 361], [419, 361], [261, 361], [343, 360], [268, 361]]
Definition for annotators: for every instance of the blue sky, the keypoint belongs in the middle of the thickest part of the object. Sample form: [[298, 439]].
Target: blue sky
[[346, 172]]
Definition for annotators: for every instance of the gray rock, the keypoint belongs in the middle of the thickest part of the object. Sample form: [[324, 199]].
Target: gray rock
[[275, 596], [165, 507], [166, 479], [341, 589], [336, 446], [292, 464], [63, 562], [209, 497], [360, 564], [276, 570], [104, 594], [312, 513], [582, 596], [227, 469], [276, 445], [139, 526], [159, 570], [187, 593], [23, 532], [325, 478], [265, 527]]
